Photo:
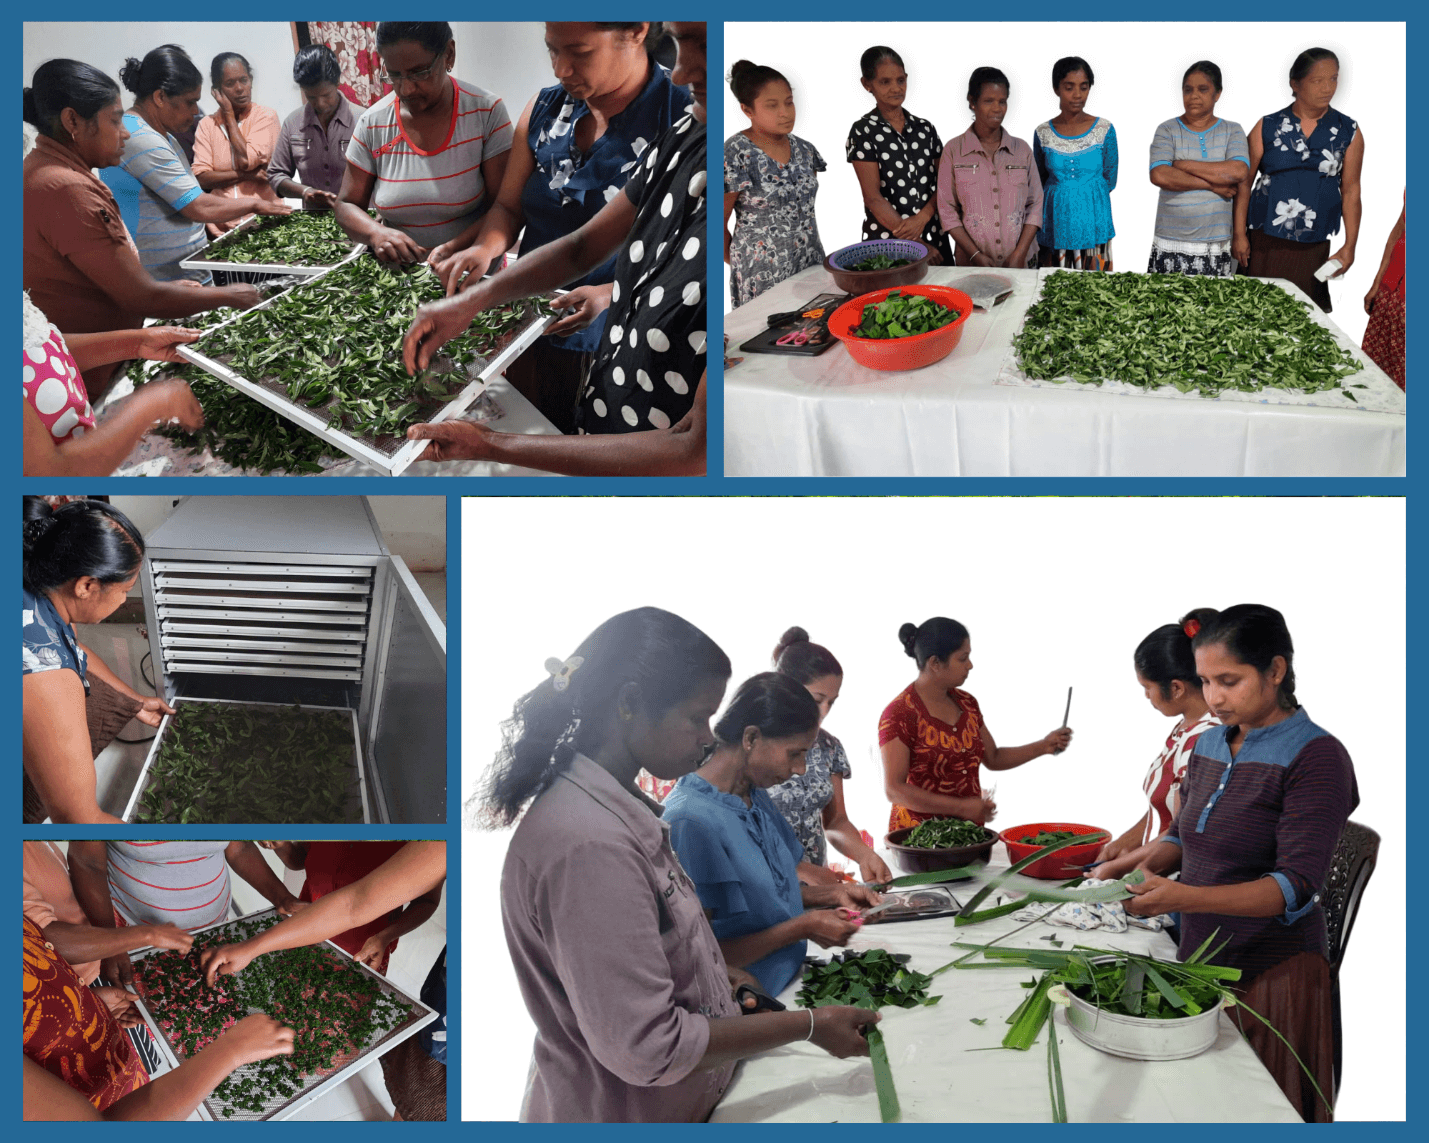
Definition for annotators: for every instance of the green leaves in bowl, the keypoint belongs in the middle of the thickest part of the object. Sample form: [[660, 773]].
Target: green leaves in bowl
[[903, 315]]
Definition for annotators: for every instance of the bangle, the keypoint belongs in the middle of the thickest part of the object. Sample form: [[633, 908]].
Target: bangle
[[810, 1036]]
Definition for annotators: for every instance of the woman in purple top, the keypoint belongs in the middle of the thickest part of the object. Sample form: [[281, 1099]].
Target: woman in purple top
[[622, 975], [1264, 799]]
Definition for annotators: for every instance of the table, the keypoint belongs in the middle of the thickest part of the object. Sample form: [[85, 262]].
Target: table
[[828, 416], [940, 1079]]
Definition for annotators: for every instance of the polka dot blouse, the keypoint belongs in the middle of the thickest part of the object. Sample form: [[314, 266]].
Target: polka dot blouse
[[907, 168], [53, 387]]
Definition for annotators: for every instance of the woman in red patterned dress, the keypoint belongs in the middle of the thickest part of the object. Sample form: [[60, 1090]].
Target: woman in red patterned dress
[[933, 737], [1384, 336]]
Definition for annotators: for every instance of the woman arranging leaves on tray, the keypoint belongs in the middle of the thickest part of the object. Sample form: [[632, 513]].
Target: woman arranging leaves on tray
[[1076, 160], [813, 802], [1200, 163], [989, 192], [80, 561], [1263, 802], [309, 157], [1307, 159], [1166, 671], [933, 737], [232, 147], [741, 854], [770, 179], [616, 962]]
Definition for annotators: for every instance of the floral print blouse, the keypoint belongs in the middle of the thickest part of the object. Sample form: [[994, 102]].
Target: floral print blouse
[[801, 800], [1297, 194], [775, 232], [47, 641]]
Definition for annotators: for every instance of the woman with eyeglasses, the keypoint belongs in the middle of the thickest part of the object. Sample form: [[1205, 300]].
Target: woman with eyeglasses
[[425, 155]]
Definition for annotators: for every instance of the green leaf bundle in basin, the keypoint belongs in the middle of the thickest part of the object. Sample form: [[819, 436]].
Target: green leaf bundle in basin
[[903, 315], [945, 833], [878, 262]]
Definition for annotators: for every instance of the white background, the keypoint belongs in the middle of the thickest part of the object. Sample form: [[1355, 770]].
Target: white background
[[1138, 86], [1055, 592]]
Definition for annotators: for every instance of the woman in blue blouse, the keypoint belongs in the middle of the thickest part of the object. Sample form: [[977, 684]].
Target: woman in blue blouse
[[770, 179], [1307, 160], [1076, 159], [741, 854], [583, 138]]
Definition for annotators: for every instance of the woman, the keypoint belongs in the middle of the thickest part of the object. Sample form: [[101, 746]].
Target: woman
[[309, 157], [1166, 670], [989, 194], [1384, 336], [1306, 159], [616, 962], [1200, 163], [813, 802], [332, 865], [895, 159], [79, 563], [770, 179], [425, 155], [1076, 162], [577, 143], [1254, 844], [232, 147], [61, 437], [415, 1071], [933, 737], [81, 268]]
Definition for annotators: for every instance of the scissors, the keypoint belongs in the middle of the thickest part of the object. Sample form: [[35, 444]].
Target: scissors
[[799, 336]]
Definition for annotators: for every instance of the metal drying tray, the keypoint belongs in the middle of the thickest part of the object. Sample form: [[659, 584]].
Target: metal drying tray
[[314, 1086], [390, 455], [210, 257], [142, 783]]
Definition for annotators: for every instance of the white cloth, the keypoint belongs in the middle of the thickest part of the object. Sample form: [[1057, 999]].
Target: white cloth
[[827, 416], [1110, 916]]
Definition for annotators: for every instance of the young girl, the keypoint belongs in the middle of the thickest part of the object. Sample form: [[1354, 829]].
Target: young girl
[[933, 737], [1076, 161], [813, 802], [1166, 671], [770, 179]]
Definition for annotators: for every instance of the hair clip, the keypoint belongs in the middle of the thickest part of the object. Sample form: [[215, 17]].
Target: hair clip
[[561, 672], [1192, 628]]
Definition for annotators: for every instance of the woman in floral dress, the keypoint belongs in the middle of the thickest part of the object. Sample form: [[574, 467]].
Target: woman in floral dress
[[770, 179], [1307, 159]]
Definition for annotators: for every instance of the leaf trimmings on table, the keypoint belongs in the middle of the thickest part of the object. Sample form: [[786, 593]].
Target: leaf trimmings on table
[[1204, 334]]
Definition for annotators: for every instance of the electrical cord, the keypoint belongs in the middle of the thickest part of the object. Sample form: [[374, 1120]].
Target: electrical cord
[[148, 656]]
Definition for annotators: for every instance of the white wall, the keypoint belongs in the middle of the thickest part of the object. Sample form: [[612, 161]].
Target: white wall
[[1056, 592], [1138, 86], [508, 59]]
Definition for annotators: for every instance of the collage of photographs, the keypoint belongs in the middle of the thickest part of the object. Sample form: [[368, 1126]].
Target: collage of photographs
[[731, 838]]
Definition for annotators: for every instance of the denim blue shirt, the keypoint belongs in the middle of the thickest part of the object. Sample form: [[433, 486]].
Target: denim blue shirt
[[744, 863], [48, 642]]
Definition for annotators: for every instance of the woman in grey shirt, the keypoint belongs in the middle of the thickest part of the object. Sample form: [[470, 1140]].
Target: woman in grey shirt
[[617, 964]]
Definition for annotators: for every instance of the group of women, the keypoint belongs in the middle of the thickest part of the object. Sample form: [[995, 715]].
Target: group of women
[[1264, 203], [601, 179], [642, 936], [86, 910]]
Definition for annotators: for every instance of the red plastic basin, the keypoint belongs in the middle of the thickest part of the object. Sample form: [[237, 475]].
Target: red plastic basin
[[902, 353], [1063, 864]]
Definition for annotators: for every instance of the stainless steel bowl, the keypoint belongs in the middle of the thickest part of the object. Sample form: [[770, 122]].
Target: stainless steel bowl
[[1138, 1038]]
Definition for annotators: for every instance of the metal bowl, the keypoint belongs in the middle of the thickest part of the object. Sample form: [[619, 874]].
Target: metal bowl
[[915, 859], [1139, 1038]]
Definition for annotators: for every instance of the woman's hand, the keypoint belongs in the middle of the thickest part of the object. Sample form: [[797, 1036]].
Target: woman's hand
[[1058, 740], [161, 342], [812, 874], [118, 967], [455, 440], [270, 206], [458, 268], [907, 228], [224, 960], [390, 245], [154, 708], [1345, 255], [738, 979], [372, 951], [225, 106], [1118, 847], [291, 906], [874, 870], [826, 928], [839, 1029], [315, 199], [586, 303], [987, 812], [1370, 297], [167, 937], [255, 1038], [170, 399], [433, 325], [1154, 896], [840, 893], [1240, 248], [120, 1005]]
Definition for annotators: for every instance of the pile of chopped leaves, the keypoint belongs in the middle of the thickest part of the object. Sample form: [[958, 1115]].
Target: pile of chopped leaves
[[872, 978], [1048, 836], [878, 262], [303, 238], [1211, 335], [945, 833], [903, 315], [335, 1008], [229, 762]]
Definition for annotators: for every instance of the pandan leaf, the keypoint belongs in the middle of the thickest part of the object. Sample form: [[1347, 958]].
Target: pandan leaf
[[888, 1108], [996, 883], [1054, 1075]]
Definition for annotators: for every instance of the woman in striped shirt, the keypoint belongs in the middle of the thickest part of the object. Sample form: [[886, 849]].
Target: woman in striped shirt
[[424, 155]]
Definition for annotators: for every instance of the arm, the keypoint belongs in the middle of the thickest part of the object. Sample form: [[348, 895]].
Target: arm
[[1226, 172], [293, 854], [1173, 178], [152, 707], [89, 876], [116, 270], [79, 944], [1389, 246], [844, 836], [740, 951], [56, 748], [1010, 757], [1353, 208], [212, 172], [101, 450], [897, 788], [729, 202], [245, 860], [417, 913], [676, 451], [1240, 239], [1127, 842], [1111, 160], [388, 243], [1032, 207], [217, 208], [878, 206]]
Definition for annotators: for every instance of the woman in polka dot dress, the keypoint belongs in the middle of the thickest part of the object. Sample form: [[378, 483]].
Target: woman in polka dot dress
[[895, 156], [61, 436]]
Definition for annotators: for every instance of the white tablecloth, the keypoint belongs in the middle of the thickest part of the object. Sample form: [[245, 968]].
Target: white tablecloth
[[828, 416], [939, 1079]]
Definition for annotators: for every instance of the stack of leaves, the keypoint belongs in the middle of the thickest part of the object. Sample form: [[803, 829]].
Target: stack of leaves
[[869, 979], [336, 1009], [878, 262], [303, 238], [945, 833], [1047, 836], [903, 315], [228, 762], [1151, 330]]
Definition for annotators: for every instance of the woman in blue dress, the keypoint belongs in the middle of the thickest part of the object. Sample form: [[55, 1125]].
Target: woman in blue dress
[[1076, 159], [770, 179], [741, 854], [583, 139], [1307, 159]]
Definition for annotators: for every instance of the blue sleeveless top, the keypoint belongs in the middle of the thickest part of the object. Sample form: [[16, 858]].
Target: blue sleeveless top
[[1297, 194], [567, 189]]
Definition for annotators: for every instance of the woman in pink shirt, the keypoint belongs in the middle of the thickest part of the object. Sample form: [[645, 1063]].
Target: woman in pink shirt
[[232, 147], [989, 195]]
